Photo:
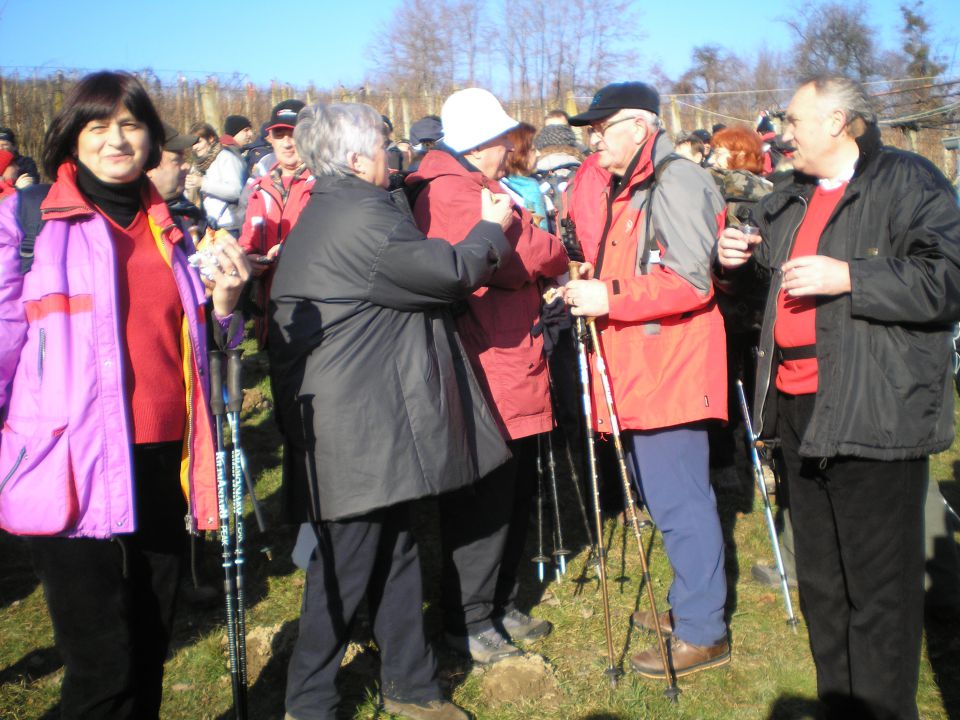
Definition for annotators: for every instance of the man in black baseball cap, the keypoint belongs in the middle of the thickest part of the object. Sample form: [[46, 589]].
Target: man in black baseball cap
[[650, 280], [619, 96], [169, 176]]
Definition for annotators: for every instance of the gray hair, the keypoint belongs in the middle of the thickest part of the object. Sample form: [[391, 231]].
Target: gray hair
[[848, 96], [652, 119], [327, 135]]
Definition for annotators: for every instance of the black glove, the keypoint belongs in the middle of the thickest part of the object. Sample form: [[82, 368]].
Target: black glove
[[554, 319]]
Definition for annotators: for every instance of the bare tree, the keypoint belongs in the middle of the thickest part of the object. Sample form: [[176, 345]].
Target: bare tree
[[711, 71], [421, 62], [833, 38]]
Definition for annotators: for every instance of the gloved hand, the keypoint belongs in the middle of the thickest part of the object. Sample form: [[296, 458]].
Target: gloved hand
[[554, 318]]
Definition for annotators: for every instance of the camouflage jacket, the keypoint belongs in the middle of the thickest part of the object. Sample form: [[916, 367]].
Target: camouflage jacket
[[741, 189]]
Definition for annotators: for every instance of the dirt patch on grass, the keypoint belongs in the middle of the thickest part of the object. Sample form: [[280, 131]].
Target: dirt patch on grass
[[518, 680]]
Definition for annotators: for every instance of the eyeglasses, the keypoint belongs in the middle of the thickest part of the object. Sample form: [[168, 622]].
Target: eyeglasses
[[601, 129]]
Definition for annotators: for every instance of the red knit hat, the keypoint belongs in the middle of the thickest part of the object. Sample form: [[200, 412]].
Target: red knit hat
[[6, 157]]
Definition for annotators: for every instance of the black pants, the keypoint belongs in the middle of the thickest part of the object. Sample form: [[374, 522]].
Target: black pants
[[483, 531], [858, 534], [373, 555], [112, 601]]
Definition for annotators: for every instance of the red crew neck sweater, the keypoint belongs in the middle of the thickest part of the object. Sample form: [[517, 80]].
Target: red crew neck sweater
[[151, 317], [797, 317]]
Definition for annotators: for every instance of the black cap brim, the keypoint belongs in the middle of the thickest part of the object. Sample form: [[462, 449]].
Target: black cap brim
[[585, 118]]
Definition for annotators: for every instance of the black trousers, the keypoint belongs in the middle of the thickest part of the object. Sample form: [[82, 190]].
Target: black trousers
[[858, 534], [112, 601], [373, 555], [483, 531]]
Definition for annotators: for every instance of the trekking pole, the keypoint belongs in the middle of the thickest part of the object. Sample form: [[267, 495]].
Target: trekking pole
[[672, 691], [217, 408], [234, 405], [568, 236], [574, 475], [559, 551], [540, 559], [767, 511]]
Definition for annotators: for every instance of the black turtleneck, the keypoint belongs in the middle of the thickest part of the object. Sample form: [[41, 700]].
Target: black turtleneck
[[118, 201]]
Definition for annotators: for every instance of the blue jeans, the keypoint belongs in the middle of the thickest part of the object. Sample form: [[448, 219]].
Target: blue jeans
[[671, 467]]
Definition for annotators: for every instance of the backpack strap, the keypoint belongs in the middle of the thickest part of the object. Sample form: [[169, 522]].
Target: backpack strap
[[649, 242], [31, 221]]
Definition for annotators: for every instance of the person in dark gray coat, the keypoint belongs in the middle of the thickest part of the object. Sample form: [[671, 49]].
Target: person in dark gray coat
[[376, 403]]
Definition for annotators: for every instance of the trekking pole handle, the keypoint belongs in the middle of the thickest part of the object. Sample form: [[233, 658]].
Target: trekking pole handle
[[234, 389], [215, 361]]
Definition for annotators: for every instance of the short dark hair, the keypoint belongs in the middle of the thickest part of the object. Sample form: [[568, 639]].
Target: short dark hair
[[203, 130], [97, 96], [695, 143]]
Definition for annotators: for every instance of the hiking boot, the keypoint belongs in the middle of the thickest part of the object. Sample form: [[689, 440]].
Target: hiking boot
[[684, 657], [433, 710], [520, 626], [644, 619], [768, 575], [485, 647]]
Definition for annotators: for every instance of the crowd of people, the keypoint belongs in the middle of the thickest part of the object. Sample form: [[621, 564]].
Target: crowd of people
[[415, 301]]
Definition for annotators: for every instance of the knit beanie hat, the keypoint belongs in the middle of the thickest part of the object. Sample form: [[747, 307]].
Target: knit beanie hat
[[561, 135], [471, 117], [234, 124]]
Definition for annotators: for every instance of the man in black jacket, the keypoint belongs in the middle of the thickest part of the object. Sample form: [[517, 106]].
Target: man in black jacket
[[862, 254]]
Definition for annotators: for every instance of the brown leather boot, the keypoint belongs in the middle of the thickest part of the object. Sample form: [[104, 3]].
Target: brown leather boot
[[684, 657], [433, 710], [644, 619]]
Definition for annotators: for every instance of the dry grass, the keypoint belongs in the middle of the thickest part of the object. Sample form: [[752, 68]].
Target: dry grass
[[771, 675]]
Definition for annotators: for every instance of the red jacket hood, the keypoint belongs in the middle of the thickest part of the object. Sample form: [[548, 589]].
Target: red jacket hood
[[65, 201]]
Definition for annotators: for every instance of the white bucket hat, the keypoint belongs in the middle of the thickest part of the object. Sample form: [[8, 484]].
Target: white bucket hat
[[471, 117]]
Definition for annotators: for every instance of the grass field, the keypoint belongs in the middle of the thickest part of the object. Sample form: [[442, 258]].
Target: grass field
[[771, 675]]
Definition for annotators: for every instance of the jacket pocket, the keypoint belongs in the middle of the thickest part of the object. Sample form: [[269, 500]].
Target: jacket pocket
[[37, 491]]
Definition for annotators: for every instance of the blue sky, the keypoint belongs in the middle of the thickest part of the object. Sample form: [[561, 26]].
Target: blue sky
[[328, 42]]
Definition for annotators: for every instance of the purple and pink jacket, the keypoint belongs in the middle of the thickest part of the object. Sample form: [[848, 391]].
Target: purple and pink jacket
[[65, 456]]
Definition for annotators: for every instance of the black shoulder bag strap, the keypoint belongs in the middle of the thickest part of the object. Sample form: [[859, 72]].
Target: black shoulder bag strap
[[31, 221]]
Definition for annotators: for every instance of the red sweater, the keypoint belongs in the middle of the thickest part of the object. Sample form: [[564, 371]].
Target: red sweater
[[150, 323], [797, 317]]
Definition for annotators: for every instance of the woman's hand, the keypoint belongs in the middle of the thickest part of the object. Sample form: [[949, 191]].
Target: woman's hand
[[496, 208], [23, 181], [227, 280]]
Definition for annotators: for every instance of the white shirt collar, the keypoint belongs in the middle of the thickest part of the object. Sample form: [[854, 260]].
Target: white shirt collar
[[835, 182]]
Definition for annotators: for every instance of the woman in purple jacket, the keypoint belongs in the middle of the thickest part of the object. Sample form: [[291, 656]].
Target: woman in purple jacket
[[106, 445]]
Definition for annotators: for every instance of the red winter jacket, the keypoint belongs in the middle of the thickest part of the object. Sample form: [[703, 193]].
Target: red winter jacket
[[495, 328], [663, 339], [271, 214]]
